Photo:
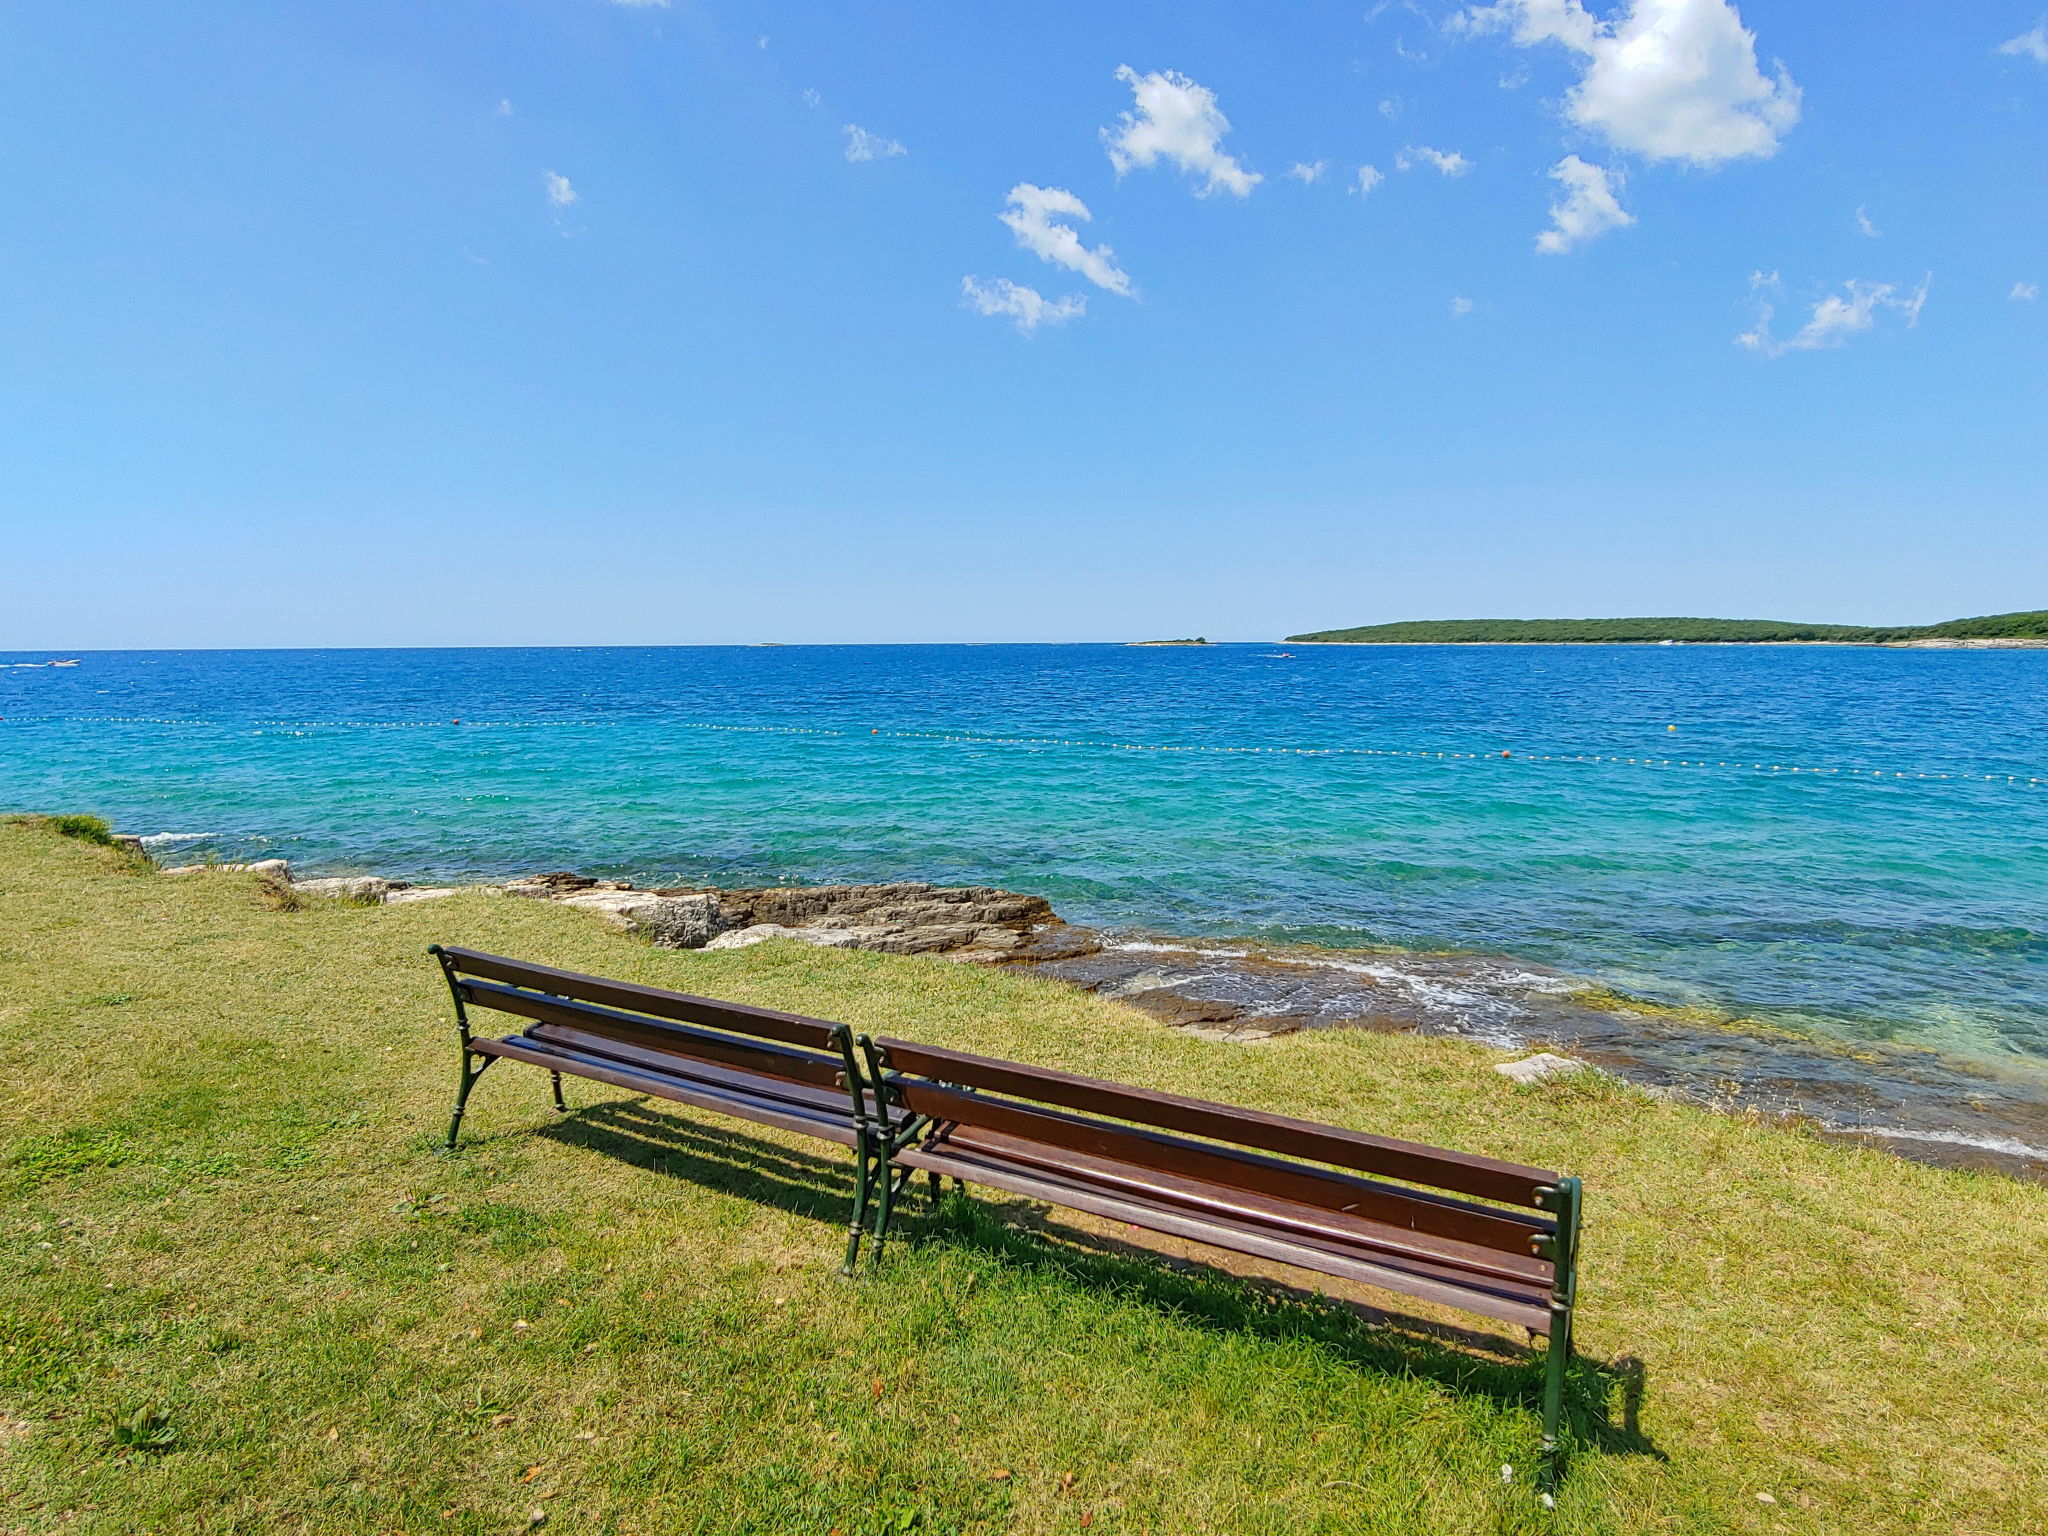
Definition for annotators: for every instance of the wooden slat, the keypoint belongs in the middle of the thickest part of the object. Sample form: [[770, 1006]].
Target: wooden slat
[[658, 1035], [1487, 1178], [1499, 1230], [1387, 1273], [583, 1043], [657, 1002], [763, 1112], [1232, 1202]]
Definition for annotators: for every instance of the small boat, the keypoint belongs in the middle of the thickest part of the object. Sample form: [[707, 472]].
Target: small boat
[[72, 662]]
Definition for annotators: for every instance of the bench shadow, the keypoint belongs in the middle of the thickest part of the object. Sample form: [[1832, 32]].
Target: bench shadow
[[1603, 1398], [707, 1153]]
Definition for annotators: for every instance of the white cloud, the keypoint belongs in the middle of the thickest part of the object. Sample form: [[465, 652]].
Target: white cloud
[[1587, 208], [862, 145], [1450, 162], [1031, 214], [1835, 318], [560, 193], [1305, 171], [1369, 176], [504, 106], [2024, 292], [1176, 120], [643, 5], [1865, 227], [1460, 308], [1026, 308], [812, 99], [2029, 45], [1665, 79], [761, 41], [1390, 108]]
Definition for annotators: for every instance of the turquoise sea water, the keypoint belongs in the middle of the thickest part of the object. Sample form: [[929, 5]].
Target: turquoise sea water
[[1305, 801]]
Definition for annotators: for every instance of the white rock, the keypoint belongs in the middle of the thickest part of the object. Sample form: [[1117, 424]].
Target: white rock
[[760, 933], [1534, 1069], [275, 870], [346, 887], [420, 893], [674, 922], [743, 938]]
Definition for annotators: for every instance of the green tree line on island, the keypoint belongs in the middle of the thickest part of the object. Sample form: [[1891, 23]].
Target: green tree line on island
[[1999, 626]]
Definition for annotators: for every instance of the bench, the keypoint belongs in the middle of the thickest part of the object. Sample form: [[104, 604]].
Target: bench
[[1488, 1237], [756, 1064]]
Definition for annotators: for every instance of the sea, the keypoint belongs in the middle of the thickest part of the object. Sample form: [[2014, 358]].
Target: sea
[[1816, 875]]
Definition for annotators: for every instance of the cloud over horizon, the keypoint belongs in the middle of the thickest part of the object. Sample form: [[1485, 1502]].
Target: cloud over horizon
[[1663, 79], [1176, 120], [1588, 207], [1026, 308], [1031, 214], [862, 145], [1835, 318], [1447, 161]]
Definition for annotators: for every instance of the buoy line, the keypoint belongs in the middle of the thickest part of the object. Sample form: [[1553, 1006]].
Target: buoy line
[[969, 738]]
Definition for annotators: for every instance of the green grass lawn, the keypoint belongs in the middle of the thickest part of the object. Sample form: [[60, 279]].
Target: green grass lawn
[[241, 1290]]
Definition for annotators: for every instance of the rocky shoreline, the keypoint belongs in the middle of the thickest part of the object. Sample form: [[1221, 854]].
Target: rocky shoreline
[[1920, 1106]]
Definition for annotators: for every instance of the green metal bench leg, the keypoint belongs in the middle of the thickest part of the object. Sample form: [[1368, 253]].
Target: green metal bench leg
[[864, 1187], [1559, 1360], [1565, 1202], [559, 1105], [469, 1076], [885, 1207]]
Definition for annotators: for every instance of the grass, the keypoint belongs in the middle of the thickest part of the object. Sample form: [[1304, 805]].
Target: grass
[[240, 1290], [1647, 631]]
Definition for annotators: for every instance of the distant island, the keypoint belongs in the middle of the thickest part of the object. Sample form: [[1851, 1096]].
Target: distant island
[[1993, 630], [1198, 640]]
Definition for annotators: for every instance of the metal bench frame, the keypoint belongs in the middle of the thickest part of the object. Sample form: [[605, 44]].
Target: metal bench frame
[[749, 1063], [924, 1096], [1445, 1226]]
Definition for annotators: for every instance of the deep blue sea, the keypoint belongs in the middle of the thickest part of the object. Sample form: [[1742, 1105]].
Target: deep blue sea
[[1849, 841]]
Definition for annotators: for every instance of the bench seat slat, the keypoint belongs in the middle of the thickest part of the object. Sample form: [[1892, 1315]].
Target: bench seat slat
[[666, 1061], [659, 1035], [1232, 1202], [580, 1043], [657, 1002], [1502, 1231], [763, 1109], [1484, 1177], [1518, 1305]]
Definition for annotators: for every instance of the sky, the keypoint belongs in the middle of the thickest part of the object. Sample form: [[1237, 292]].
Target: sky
[[588, 322]]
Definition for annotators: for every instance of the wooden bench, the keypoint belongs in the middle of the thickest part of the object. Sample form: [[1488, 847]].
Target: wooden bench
[[1487, 1237], [755, 1064]]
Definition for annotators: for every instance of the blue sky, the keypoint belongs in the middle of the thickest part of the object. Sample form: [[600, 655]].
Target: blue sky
[[570, 321]]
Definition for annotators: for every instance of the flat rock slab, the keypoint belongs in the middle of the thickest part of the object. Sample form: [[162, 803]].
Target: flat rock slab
[[1537, 1068]]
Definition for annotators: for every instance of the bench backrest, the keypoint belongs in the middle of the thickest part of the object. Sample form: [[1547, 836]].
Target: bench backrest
[[763, 1040], [1102, 1119]]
